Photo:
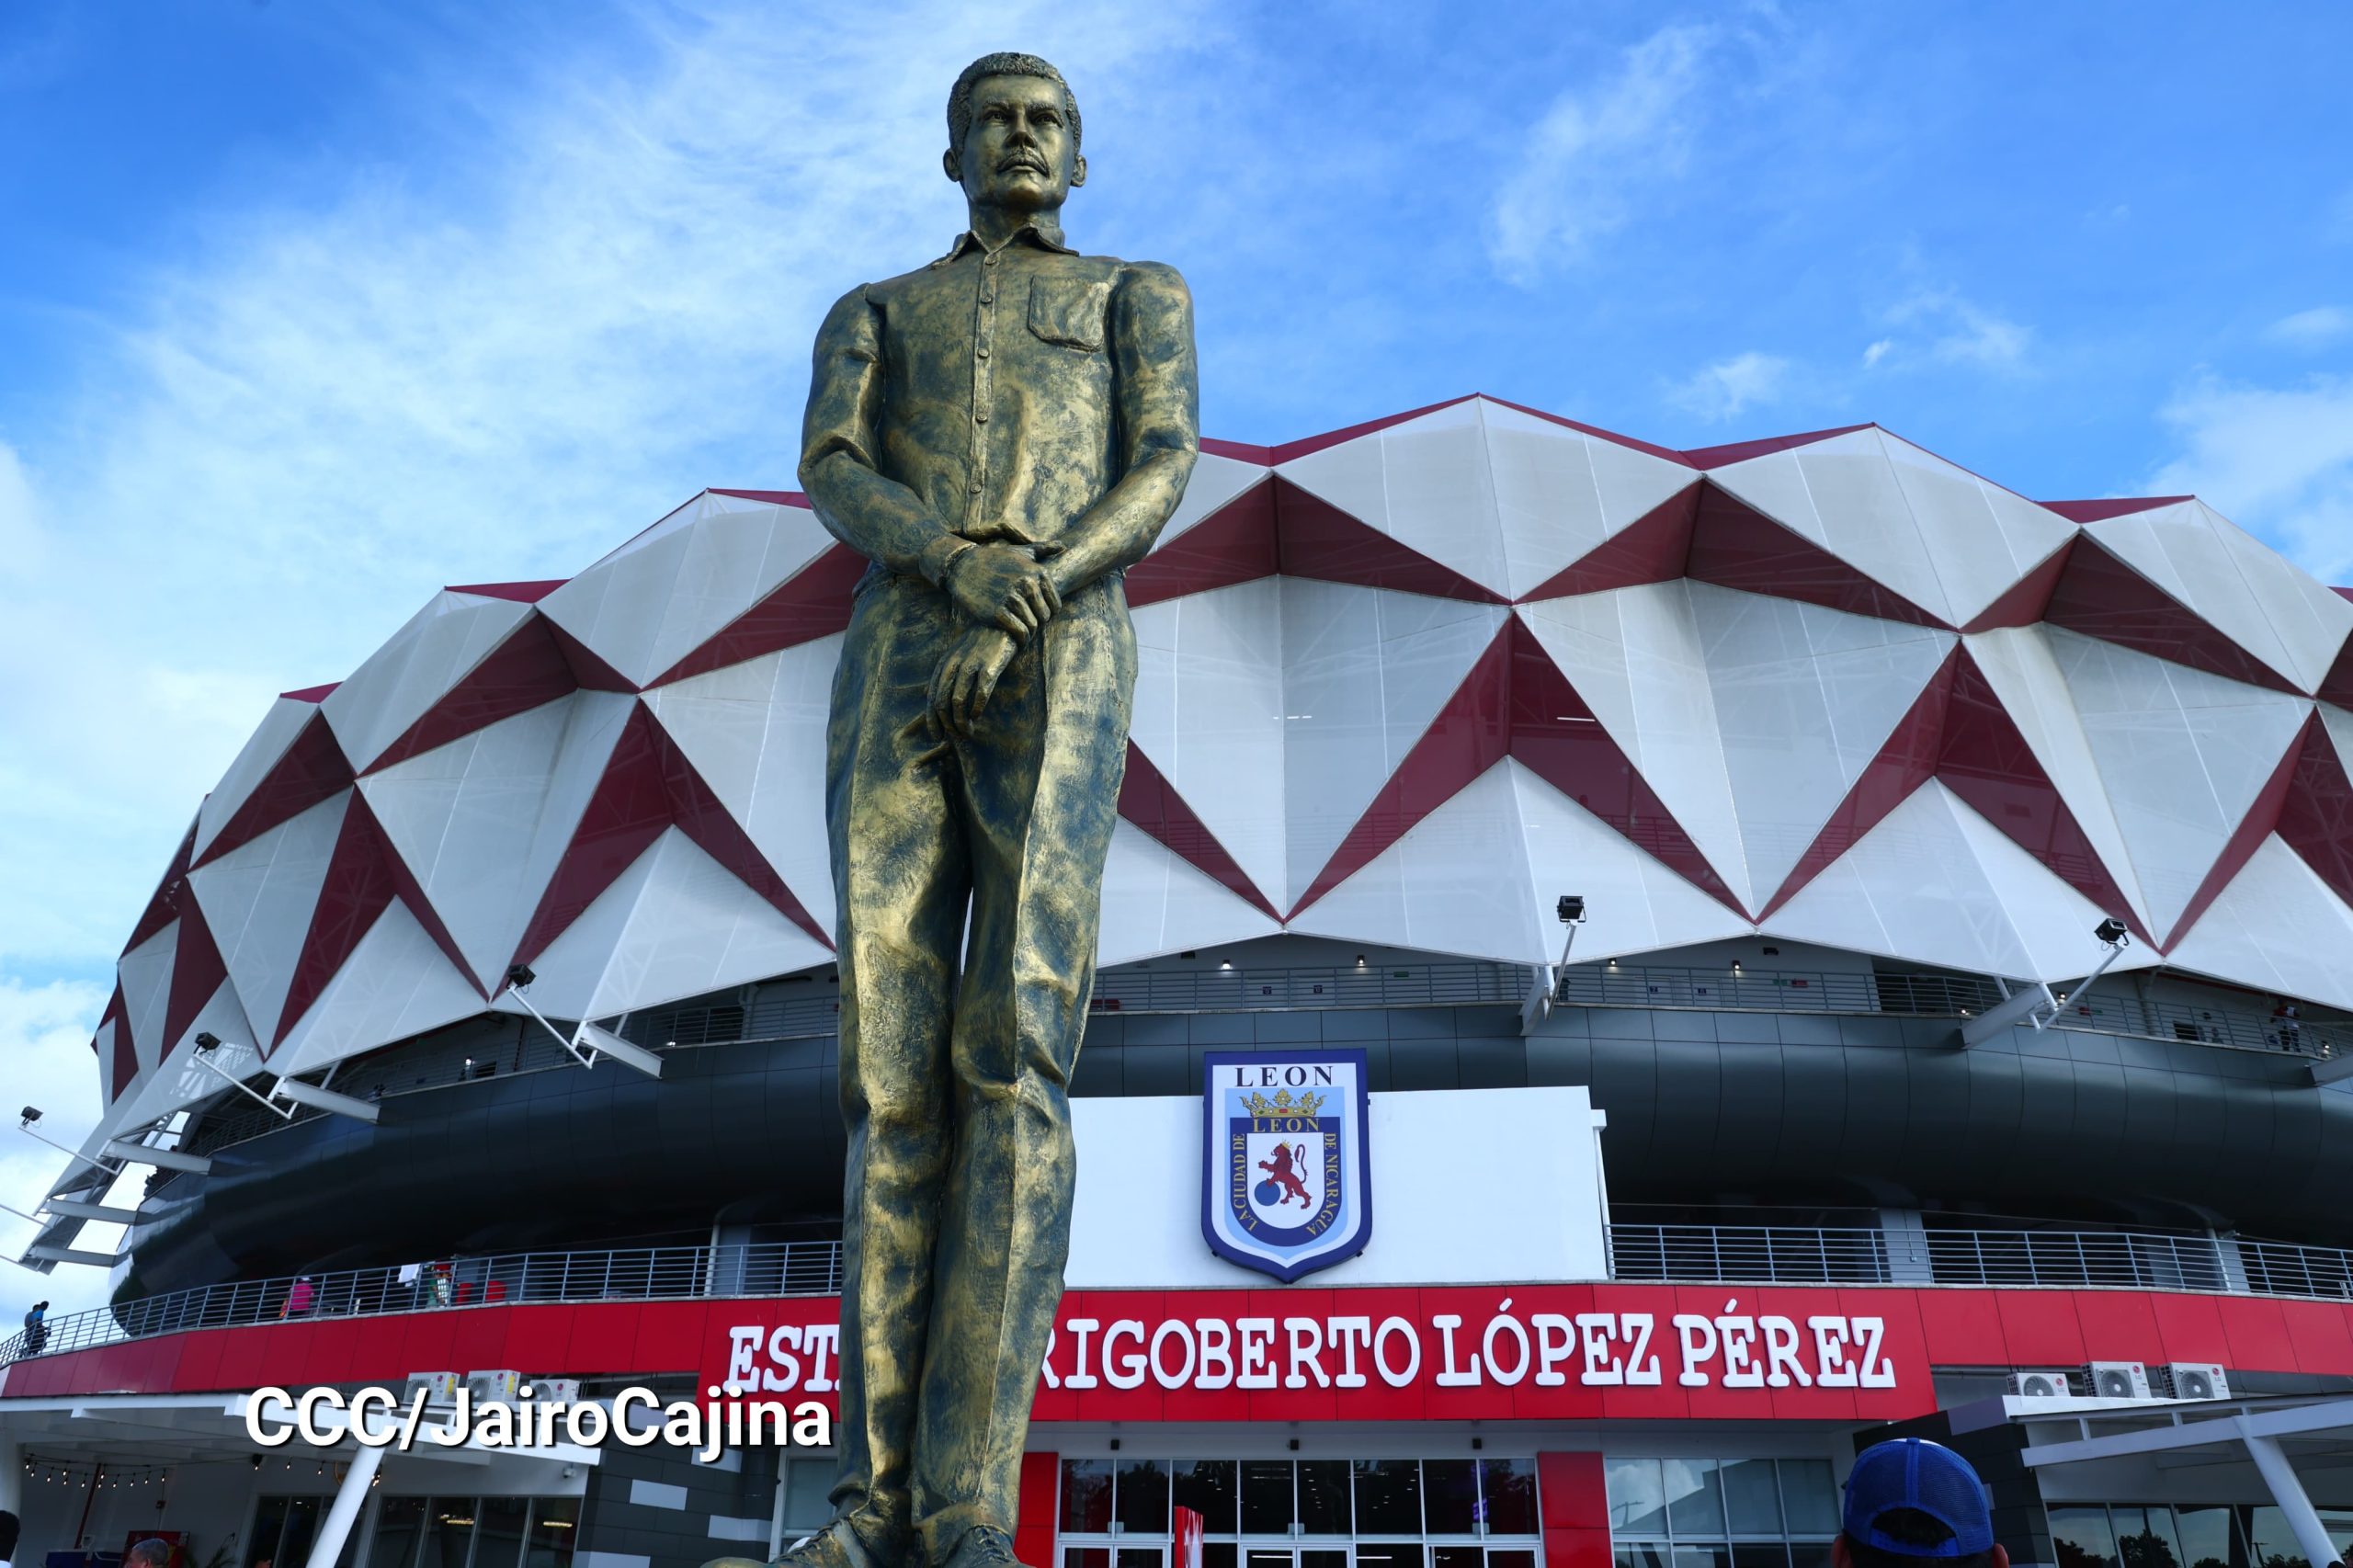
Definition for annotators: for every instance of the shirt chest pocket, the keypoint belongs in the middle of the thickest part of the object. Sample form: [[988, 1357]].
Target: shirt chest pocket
[[1069, 311]]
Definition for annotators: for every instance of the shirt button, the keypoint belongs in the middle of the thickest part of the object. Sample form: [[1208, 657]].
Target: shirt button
[[975, 487], [983, 350], [980, 416], [988, 297], [989, 260]]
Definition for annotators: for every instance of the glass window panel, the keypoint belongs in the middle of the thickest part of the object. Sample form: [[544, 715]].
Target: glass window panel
[[1086, 1498], [1142, 1497], [2338, 1523], [1511, 1557], [398, 1523], [1457, 1557], [269, 1523], [1695, 1498], [449, 1533], [1258, 1557], [1323, 1498], [1508, 1496], [1809, 1554], [2268, 1539], [1809, 1497], [1220, 1554], [808, 1487], [2144, 1538], [1087, 1556], [1704, 1555], [2205, 1535], [1326, 1558], [498, 1537], [2082, 1539], [555, 1525], [1389, 1554], [301, 1525], [1266, 1497], [1758, 1554], [1450, 1496], [1639, 1554], [1207, 1486], [1389, 1497], [1139, 1557], [1637, 1496], [1752, 1498]]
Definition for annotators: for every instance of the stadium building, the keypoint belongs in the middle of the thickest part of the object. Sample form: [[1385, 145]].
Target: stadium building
[[1834, 947]]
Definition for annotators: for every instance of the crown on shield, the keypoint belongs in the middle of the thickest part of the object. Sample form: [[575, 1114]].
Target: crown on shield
[[1283, 1104]]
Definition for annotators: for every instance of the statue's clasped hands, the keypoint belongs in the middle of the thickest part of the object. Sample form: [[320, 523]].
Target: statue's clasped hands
[[1006, 597]]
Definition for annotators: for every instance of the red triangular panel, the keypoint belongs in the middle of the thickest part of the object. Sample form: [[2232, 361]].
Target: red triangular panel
[[2337, 685], [1987, 761], [1557, 737], [312, 693], [517, 593], [813, 602], [1906, 761], [773, 497], [2114, 506], [1149, 801], [700, 815], [1301, 448], [2316, 817], [357, 887], [525, 670], [2101, 596], [1315, 539], [311, 770], [163, 905], [1653, 547], [1234, 544], [2262, 817], [589, 671], [198, 970], [1741, 451], [1733, 545], [125, 1066], [2024, 601]]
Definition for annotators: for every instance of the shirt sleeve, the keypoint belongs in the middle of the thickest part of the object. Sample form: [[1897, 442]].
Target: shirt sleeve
[[878, 517]]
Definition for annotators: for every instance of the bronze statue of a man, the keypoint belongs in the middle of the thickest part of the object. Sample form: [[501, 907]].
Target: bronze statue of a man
[[1002, 433]]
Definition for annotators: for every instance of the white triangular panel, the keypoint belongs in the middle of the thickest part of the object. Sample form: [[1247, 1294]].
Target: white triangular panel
[[2276, 928], [1980, 538], [1637, 657], [2021, 664], [1424, 483], [482, 822], [1633, 902], [2181, 754], [2248, 592], [1215, 482], [397, 983], [1208, 712], [102, 1045], [180, 1082], [1156, 901], [675, 924], [651, 603], [399, 682], [145, 974], [251, 766], [1364, 673], [1560, 494], [757, 734], [258, 900], [2053, 922]]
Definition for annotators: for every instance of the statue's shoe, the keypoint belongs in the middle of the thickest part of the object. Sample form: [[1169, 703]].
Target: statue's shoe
[[835, 1546], [984, 1546]]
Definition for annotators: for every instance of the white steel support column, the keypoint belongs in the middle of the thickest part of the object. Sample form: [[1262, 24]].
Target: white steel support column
[[12, 1475], [2289, 1493], [335, 1528]]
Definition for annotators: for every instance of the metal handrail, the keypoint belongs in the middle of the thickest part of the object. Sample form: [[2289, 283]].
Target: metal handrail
[[1778, 1254], [637, 1274]]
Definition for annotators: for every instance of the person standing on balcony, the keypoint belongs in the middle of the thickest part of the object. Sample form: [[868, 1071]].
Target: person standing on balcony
[[299, 1297], [36, 1328]]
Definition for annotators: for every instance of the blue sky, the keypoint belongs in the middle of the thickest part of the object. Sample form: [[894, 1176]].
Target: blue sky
[[308, 308]]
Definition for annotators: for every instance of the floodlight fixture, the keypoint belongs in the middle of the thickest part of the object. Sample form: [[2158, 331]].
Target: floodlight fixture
[[519, 976], [27, 1115], [208, 1041], [1571, 909], [2111, 931]]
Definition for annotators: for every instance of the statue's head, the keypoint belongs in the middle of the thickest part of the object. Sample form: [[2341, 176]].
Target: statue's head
[[1012, 134]]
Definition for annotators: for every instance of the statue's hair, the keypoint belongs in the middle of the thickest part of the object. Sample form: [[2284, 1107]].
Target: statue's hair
[[960, 96]]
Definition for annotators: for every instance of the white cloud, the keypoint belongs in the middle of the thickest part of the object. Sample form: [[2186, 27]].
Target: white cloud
[[45, 1038], [1725, 388], [2316, 328], [1595, 145], [2277, 461], [1941, 326]]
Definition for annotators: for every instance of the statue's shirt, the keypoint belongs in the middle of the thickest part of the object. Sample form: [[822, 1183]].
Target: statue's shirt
[[999, 394]]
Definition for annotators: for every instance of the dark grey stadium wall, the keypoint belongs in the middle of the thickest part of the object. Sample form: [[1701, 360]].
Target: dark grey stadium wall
[[1874, 1110]]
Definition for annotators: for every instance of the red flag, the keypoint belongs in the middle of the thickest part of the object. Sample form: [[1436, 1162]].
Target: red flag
[[1186, 1548]]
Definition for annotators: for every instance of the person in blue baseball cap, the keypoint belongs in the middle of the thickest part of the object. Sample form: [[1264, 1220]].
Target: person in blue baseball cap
[[1910, 1501]]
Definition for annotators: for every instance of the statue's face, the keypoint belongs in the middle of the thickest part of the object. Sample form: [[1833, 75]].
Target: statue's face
[[1019, 153]]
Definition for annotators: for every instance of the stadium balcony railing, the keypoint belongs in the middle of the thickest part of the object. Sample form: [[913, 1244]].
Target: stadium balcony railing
[[1779, 1254]]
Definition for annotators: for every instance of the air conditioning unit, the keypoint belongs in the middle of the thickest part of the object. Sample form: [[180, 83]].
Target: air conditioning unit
[[2052, 1385], [2195, 1380], [440, 1388], [2118, 1380], [554, 1391], [491, 1387]]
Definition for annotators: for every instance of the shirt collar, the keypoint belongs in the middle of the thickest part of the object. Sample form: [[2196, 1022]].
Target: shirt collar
[[1043, 232]]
